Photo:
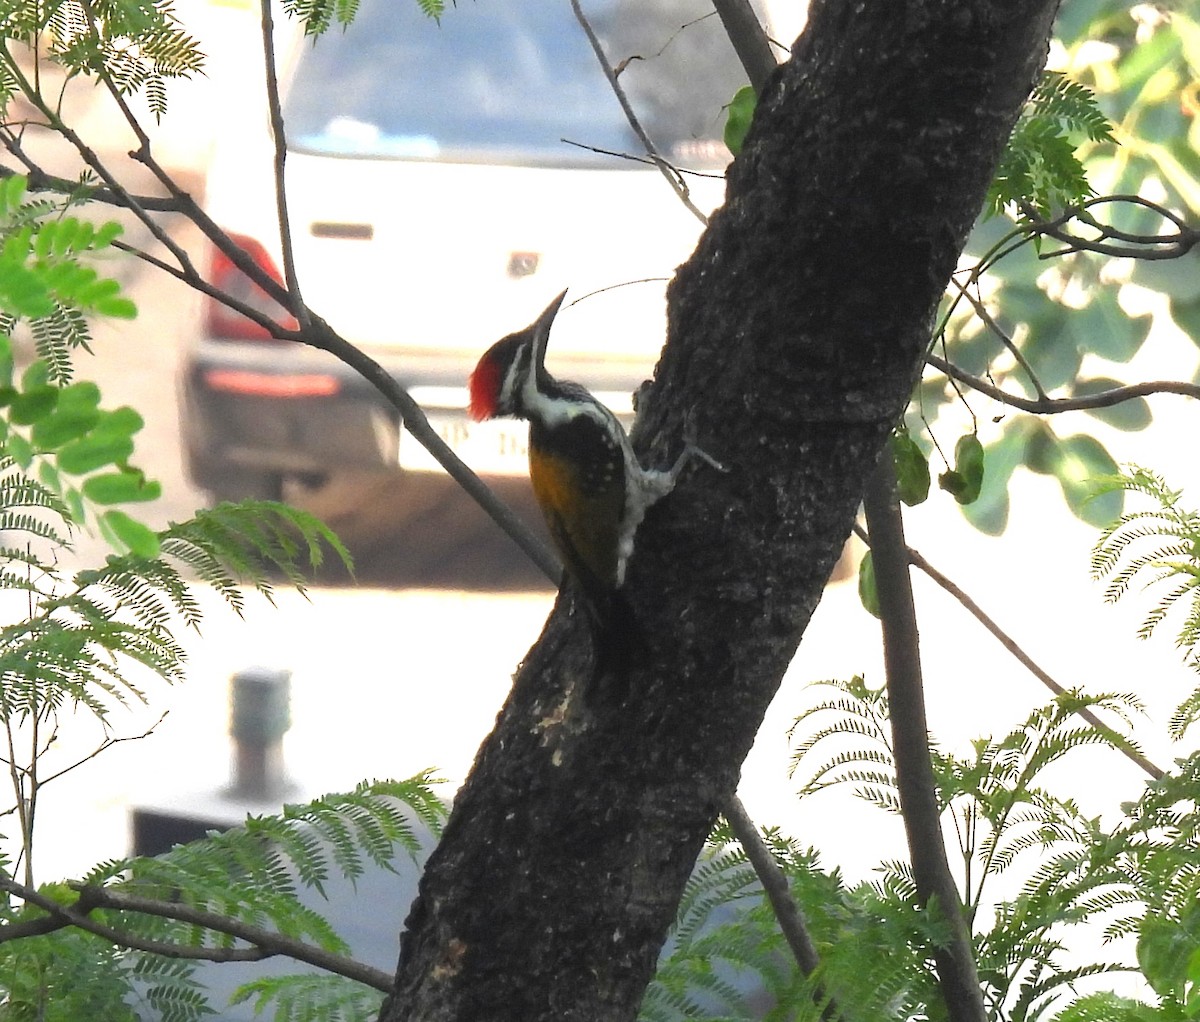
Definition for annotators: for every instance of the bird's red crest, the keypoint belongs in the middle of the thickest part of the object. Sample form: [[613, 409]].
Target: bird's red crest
[[484, 386]]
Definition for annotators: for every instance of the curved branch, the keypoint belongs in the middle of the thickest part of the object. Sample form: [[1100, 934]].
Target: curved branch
[[263, 943], [1054, 405], [1134, 246]]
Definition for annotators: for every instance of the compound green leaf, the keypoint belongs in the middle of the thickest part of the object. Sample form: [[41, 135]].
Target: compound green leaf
[[31, 405], [76, 413]]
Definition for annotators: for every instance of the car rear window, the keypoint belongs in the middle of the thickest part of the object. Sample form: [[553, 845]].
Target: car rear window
[[514, 81]]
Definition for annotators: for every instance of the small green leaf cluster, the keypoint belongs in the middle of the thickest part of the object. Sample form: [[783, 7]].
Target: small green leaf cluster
[[46, 282], [77, 450], [320, 15], [310, 997], [1159, 545], [1039, 167], [137, 45], [963, 481], [63, 977]]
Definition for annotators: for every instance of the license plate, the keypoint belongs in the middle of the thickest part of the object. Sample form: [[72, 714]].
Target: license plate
[[497, 447]]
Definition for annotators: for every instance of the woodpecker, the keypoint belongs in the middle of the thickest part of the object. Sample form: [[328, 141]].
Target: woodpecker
[[590, 486]]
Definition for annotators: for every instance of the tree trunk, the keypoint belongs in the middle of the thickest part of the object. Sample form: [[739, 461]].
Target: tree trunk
[[796, 335]]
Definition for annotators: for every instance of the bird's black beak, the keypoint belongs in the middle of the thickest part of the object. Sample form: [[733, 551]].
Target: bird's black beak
[[541, 332], [546, 318]]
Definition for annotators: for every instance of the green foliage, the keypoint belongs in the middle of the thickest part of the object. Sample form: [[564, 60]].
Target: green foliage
[[89, 643], [272, 857], [320, 15], [1039, 167], [868, 594], [912, 468], [1062, 870], [726, 958], [965, 479], [1159, 544], [62, 977], [134, 45], [65, 462], [307, 997], [254, 874], [45, 281]]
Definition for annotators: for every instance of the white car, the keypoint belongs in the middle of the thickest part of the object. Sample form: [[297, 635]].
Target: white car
[[445, 180]]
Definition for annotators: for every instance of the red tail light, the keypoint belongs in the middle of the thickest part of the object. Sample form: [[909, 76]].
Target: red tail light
[[222, 321]]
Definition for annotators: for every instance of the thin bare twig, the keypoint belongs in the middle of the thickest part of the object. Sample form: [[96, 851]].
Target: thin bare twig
[[641, 159], [917, 560], [297, 306], [990, 322], [750, 42], [674, 178]]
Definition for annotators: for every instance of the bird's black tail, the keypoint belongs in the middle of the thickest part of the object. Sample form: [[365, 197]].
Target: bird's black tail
[[617, 641]]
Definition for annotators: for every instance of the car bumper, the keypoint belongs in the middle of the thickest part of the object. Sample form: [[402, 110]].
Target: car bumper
[[256, 406]]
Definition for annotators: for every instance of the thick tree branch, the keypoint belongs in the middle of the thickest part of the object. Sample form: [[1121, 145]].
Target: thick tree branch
[[796, 333], [910, 744]]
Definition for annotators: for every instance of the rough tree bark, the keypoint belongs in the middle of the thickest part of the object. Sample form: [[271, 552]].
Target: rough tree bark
[[796, 333]]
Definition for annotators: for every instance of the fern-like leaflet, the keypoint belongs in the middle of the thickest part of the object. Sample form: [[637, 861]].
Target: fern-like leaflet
[[1040, 167], [1158, 545]]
